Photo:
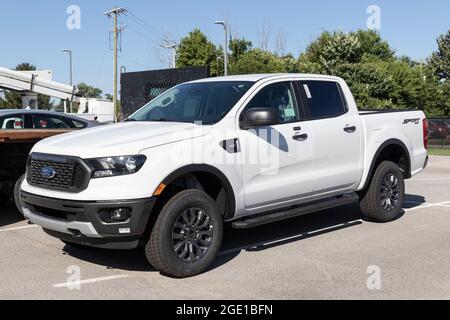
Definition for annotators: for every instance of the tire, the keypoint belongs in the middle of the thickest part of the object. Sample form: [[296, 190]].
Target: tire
[[17, 199], [175, 231], [383, 200]]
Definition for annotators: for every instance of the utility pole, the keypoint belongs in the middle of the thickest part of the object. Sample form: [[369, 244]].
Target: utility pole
[[225, 48], [173, 46], [115, 13]]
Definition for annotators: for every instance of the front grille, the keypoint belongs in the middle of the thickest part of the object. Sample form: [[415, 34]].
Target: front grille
[[70, 173]]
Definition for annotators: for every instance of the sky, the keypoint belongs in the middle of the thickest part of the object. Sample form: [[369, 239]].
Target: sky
[[36, 31]]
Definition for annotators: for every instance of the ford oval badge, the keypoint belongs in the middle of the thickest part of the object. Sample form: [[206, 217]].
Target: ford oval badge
[[48, 172]]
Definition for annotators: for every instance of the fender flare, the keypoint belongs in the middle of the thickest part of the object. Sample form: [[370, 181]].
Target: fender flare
[[383, 146], [211, 170]]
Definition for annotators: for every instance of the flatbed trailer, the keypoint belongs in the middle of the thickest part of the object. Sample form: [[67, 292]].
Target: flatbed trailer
[[15, 146]]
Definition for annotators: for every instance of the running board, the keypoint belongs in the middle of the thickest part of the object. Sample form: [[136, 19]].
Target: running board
[[316, 206]]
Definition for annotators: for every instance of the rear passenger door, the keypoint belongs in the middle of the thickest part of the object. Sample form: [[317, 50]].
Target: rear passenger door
[[337, 136]]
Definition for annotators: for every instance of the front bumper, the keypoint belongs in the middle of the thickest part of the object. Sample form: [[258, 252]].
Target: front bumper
[[81, 221]]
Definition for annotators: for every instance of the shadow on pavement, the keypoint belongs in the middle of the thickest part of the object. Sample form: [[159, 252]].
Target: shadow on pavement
[[257, 239], [9, 214], [412, 201]]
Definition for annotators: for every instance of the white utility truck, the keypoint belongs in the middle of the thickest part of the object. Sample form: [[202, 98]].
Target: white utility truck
[[245, 150]]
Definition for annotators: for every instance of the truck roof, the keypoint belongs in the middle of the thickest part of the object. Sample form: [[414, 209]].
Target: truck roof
[[34, 111], [264, 76], [7, 111]]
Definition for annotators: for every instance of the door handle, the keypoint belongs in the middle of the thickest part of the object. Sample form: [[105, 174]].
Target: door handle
[[351, 129], [300, 137]]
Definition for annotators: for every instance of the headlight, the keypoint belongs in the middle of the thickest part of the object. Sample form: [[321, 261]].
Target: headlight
[[115, 166]]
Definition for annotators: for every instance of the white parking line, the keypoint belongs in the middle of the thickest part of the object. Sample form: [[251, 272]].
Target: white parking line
[[429, 205], [430, 179], [93, 280], [19, 228]]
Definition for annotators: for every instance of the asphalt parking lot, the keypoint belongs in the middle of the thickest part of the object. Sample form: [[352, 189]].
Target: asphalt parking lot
[[328, 255]]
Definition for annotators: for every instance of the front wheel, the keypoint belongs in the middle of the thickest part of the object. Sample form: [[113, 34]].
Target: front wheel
[[383, 200], [187, 235]]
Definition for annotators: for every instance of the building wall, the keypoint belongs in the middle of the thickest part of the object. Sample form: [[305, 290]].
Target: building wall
[[138, 88]]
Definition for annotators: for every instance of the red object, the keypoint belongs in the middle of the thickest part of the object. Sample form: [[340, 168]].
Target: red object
[[425, 133], [43, 123]]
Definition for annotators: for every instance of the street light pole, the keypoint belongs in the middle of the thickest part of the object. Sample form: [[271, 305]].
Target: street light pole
[[71, 69], [225, 49]]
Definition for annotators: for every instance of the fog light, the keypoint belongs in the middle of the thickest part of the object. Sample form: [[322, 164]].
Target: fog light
[[120, 215]]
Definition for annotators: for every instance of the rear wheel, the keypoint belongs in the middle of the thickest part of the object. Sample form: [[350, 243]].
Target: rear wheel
[[17, 199], [187, 235], [383, 200]]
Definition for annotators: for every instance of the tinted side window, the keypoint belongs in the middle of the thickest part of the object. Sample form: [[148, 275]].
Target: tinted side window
[[77, 124], [279, 96], [12, 122], [323, 99], [48, 122]]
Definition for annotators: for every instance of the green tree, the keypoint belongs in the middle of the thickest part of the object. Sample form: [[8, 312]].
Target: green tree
[[440, 59], [196, 50], [13, 99], [238, 47], [372, 45], [332, 49], [259, 61], [87, 91], [376, 77]]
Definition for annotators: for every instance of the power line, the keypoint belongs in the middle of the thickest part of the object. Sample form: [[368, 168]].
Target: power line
[[149, 27]]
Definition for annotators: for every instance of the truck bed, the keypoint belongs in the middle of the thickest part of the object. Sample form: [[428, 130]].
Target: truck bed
[[406, 126]]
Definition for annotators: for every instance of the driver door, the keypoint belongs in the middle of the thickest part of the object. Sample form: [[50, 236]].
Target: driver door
[[277, 160]]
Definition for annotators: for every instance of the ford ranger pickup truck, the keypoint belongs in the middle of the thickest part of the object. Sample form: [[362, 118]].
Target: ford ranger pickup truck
[[245, 150]]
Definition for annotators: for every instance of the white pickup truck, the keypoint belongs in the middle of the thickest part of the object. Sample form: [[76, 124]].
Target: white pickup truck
[[246, 150]]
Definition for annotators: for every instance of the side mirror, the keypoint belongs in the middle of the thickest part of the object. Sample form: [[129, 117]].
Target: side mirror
[[259, 117]]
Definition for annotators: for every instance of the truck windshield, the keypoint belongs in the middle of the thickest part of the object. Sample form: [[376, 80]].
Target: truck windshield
[[204, 102]]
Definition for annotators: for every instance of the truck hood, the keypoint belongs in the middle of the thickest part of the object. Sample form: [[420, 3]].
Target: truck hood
[[126, 138]]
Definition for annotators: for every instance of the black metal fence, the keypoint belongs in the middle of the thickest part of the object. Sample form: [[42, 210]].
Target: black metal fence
[[439, 132], [138, 88]]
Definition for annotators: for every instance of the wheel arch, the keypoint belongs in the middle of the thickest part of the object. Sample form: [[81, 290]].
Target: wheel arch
[[391, 150], [204, 175]]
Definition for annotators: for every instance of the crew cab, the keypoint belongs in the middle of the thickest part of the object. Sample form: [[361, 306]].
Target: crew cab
[[245, 150]]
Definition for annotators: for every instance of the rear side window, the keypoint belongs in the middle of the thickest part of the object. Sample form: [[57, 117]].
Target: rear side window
[[77, 124], [12, 122], [323, 99], [48, 122]]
